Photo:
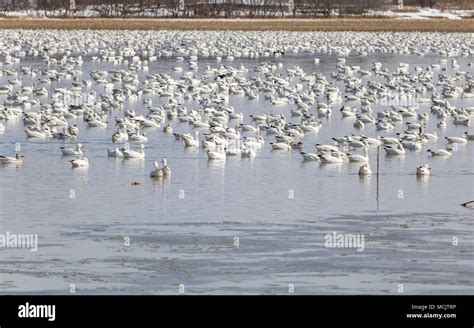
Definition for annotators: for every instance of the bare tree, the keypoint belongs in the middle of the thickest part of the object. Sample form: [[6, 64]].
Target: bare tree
[[203, 8]]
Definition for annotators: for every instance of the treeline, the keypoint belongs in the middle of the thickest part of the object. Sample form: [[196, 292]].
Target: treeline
[[204, 8], [196, 8]]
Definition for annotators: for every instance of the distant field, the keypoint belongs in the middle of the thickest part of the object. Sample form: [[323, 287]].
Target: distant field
[[358, 24]]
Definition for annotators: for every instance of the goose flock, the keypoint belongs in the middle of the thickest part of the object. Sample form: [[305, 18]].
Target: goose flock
[[64, 84]]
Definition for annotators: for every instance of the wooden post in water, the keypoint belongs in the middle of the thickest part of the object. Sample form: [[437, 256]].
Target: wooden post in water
[[378, 171]]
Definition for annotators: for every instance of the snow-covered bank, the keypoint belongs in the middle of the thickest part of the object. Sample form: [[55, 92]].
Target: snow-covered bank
[[95, 12], [427, 13]]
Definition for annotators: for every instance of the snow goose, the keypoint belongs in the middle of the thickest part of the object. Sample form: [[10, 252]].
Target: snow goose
[[120, 136], [365, 170], [334, 157], [423, 170], [280, 146], [11, 160], [80, 163], [115, 153], [310, 156], [359, 158], [467, 135], [140, 154], [72, 151], [216, 155], [234, 151], [394, 151], [137, 137], [248, 152], [189, 141], [458, 140], [157, 171], [358, 143], [168, 129], [165, 169], [441, 152]]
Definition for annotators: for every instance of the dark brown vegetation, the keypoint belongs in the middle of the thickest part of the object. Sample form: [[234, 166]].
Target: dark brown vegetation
[[342, 24]]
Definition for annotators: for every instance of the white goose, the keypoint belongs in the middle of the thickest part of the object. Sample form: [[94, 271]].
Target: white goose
[[120, 136], [358, 143], [234, 151], [166, 170], [310, 156], [137, 137], [441, 152], [430, 136], [359, 158], [372, 141], [99, 122], [254, 143], [189, 141], [78, 163], [12, 160], [157, 171], [467, 135], [280, 146], [394, 151], [115, 153], [459, 140], [423, 170], [320, 147], [365, 170], [72, 151], [33, 134], [216, 155], [412, 145], [127, 153], [248, 152], [249, 128], [335, 157]]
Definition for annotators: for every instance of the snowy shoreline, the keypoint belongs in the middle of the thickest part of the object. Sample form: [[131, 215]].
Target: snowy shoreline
[[413, 13]]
